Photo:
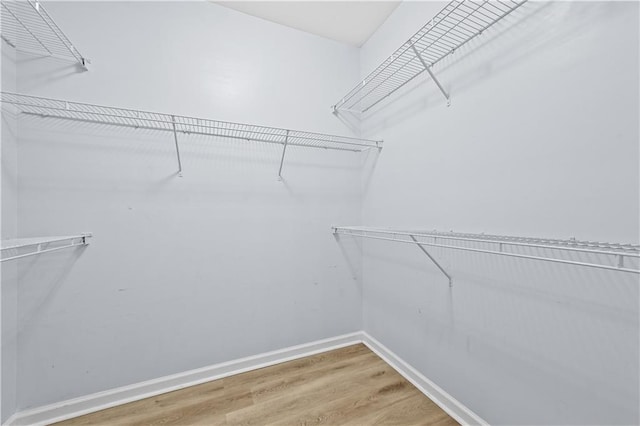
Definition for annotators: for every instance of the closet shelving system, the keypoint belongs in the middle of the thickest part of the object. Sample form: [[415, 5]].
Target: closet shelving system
[[177, 124], [28, 27], [22, 247], [611, 256], [454, 26]]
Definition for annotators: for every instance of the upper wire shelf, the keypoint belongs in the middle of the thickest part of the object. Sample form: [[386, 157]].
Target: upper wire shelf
[[138, 119], [593, 254], [455, 25], [23, 247], [27, 26]]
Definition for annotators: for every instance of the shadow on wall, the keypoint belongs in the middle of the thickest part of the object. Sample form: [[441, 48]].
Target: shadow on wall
[[8, 169], [513, 40], [111, 158], [352, 252], [538, 323], [41, 278], [350, 120], [56, 69]]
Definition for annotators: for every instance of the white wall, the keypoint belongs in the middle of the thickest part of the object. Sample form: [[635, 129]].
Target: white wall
[[9, 229], [541, 140], [184, 272]]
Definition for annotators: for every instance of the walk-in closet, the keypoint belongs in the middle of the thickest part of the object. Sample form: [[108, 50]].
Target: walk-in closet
[[320, 212]]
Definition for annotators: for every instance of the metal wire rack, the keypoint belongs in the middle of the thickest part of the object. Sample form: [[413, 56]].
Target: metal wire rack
[[176, 124], [27, 26], [592, 254], [23, 247], [455, 25]]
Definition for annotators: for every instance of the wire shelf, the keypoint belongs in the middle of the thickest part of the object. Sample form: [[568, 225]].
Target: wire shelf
[[611, 256], [56, 108], [455, 25], [27, 26], [23, 247]]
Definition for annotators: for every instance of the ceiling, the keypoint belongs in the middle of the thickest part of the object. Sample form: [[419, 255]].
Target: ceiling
[[350, 22]]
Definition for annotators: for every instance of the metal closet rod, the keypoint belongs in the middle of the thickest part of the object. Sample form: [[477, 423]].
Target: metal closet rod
[[41, 245], [619, 251]]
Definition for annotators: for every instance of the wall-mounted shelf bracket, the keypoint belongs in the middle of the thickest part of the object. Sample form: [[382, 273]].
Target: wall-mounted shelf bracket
[[284, 150], [23, 247], [431, 74], [175, 138], [424, 250]]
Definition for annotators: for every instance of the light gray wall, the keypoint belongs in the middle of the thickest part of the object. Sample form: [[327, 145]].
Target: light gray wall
[[184, 272], [9, 229], [541, 140]]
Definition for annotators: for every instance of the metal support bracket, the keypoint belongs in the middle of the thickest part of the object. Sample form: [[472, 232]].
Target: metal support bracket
[[175, 138], [85, 237], [284, 150], [433, 260], [433, 77], [84, 63]]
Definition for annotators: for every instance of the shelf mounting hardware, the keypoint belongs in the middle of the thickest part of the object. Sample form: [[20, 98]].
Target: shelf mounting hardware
[[284, 150], [431, 74], [424, 250], [175, 138]]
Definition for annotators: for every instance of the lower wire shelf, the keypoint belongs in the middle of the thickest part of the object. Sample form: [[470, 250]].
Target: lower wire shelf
[[592, 254], [22, 247]]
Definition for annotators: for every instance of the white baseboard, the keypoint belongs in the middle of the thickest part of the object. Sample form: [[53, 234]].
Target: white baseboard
[[101, 400], [449, 404]]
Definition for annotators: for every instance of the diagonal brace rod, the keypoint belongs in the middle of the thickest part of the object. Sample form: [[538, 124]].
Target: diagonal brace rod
[[175, 138], [424, 250], [284, 150], [433, 77]]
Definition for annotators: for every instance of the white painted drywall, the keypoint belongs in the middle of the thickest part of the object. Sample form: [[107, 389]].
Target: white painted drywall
[[9, 229], [222, 263], [541, 140]]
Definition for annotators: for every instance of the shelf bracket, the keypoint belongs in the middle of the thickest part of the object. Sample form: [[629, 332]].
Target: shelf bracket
[[284, 150], [433, 77], [433, 260], [175, 139]]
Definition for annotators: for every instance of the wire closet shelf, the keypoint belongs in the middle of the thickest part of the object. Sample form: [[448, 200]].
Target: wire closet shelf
[[28, 27], [24, 247], [611, 256], [455, 25], [56, 108]]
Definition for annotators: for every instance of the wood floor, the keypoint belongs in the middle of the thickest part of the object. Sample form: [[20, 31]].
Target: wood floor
[[348, 386]]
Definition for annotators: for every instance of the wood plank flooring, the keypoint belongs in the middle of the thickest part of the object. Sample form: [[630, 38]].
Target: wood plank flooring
[[348, 386]]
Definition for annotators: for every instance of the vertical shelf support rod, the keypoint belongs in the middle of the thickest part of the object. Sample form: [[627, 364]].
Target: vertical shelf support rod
[[433, 77], [284, 150], [175, 138], [433, 260]]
